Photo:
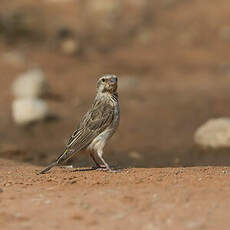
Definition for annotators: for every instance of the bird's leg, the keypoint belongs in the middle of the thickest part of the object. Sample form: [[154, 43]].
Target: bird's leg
[[94, 160], [107, 167]]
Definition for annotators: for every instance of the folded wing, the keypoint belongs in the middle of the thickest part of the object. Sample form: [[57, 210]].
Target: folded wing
[[93, 123]]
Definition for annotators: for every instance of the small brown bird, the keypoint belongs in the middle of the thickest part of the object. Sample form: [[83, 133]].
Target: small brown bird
[[97, 126]]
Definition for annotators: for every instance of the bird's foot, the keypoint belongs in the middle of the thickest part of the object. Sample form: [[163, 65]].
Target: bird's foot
[[104, 168], [98, 167], [113, 170]]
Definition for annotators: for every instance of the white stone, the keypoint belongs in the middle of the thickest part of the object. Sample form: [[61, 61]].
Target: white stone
[[30, 84], [214, 133], [70, 46], [27, 110]]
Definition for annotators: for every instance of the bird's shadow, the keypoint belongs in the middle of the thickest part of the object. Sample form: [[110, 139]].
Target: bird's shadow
[[102, 168], [83, 169]]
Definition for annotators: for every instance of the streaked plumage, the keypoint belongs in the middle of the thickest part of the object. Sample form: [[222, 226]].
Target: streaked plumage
[[97, 126]]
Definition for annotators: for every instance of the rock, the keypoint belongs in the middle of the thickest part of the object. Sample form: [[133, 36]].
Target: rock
[[30, 84], [28, 110], [70, 46], [214, 133]]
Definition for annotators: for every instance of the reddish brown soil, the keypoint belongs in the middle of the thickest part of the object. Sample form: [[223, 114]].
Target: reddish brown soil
[[168, 198]]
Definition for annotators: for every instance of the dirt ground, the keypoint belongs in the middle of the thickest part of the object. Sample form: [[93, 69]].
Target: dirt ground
[[155, 198], [178, 72]]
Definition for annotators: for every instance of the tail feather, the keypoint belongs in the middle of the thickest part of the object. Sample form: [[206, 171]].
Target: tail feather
[[62, 158], [55, 163]]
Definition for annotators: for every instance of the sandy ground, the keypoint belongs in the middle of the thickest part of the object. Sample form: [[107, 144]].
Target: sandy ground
[[163, 198]]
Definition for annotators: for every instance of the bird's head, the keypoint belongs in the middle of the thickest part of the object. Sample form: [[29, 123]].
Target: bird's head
[[107, 83]]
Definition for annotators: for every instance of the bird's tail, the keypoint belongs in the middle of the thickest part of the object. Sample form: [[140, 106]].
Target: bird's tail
[[55, 163], [62, 158]]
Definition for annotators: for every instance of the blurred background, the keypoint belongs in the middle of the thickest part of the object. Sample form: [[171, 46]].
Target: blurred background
[[172, 59]]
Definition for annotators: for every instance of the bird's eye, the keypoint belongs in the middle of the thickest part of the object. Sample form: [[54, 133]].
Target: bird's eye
[[103, 79]]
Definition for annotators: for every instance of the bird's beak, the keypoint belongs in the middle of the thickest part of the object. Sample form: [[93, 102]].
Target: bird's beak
[[113, 81]]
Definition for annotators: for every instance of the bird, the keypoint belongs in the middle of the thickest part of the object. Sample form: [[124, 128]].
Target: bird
[[96, 127]]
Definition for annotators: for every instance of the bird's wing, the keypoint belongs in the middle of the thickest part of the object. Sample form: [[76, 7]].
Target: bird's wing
[[93, 123]]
